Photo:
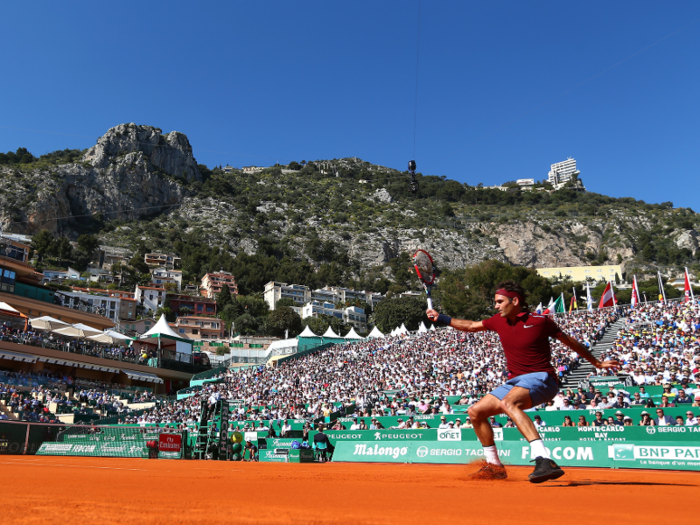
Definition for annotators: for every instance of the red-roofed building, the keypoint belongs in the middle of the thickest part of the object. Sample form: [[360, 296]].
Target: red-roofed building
[[199, 328], [182, 304], [212, 283], [150, 297]]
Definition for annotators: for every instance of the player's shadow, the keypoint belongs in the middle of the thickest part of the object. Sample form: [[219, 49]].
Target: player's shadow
[[587, 483]]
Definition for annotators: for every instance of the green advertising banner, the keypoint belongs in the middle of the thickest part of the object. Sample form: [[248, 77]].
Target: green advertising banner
[[658, 455], [663, 456], [120, 444], [594, 454], [605, 433]]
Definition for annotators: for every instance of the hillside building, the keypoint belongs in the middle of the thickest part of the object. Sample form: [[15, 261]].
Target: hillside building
[[213, 282], [150, 298], [193, 304], [562, 172], [170, 262], [199, 328], [274, 291], [94, 302], [526, 184], [583, 273], [13, 247], [353, 315], [162, 276], [58, 276], [109, 255]]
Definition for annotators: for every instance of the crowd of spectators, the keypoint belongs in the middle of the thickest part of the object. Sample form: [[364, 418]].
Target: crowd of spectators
[[420, 370], [660, 343], [30, 406], [47, 339]]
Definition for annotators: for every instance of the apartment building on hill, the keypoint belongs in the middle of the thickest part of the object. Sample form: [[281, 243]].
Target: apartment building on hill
[[213, 282]]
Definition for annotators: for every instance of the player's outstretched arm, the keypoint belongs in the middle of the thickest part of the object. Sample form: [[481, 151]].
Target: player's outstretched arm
[[581, 350], [459, 324]]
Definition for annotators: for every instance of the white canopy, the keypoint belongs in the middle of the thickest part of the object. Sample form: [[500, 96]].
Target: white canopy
[[403, 329], [110, 337], [72, 331], [161, 328], [307, 333], [352, 334], [422, 329], [47, 323], [375, 333], [393, 332], [85, 328], [330, 334], [432, 327], [7, 308]]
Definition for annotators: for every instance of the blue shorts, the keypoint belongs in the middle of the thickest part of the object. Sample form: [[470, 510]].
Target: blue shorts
[[542, 386]]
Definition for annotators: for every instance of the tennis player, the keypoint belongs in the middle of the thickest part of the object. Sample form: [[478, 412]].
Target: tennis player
[[531, 377]]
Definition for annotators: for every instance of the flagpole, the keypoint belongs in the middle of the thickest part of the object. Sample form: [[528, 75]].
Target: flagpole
[[690, 285], [612, 290], [662, 291]]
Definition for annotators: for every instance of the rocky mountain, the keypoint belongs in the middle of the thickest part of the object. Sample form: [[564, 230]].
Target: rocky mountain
[[138, 186], [132, 171]]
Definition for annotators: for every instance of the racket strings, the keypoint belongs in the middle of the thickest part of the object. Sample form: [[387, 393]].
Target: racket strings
[[424, 266]]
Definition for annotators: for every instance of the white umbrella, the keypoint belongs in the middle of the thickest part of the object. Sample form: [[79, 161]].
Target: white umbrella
[[110, 337], [70, 331], [47, 323], [85, 328]]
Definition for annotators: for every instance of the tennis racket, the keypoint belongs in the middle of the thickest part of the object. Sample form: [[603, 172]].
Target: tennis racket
[[425, 270]]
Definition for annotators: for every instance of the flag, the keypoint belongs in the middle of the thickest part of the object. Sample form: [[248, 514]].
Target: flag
[[662, 292], [574, 298], [635, 292], [688, 292], [558, 306], [550, 306], [589, 298], [608, 297], [538, 310], [571, 303]]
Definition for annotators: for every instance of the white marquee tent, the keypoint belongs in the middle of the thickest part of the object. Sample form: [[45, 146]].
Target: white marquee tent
[[375, 333], [352, 334]]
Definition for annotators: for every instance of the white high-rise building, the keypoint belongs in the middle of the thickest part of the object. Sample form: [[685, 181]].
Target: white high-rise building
[[561, 172]]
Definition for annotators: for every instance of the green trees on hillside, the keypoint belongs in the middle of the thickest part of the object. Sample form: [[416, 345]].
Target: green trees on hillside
[[391, 313], [60, 249], [23, 156], [468, 293]]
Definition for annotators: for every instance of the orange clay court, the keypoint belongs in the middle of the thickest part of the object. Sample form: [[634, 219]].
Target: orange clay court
[[119, 491]]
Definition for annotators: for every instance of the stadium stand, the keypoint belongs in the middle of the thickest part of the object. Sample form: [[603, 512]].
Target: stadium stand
[[420, 383]]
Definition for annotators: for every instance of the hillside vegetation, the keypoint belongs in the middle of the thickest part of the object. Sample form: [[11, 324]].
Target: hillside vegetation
[[324, 222]]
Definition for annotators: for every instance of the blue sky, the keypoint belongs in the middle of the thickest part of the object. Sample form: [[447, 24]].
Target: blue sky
[[502, 89]]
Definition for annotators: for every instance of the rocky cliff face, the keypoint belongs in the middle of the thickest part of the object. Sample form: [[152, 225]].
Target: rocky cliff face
[[136, 171], [132, 171], [170, 153]]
